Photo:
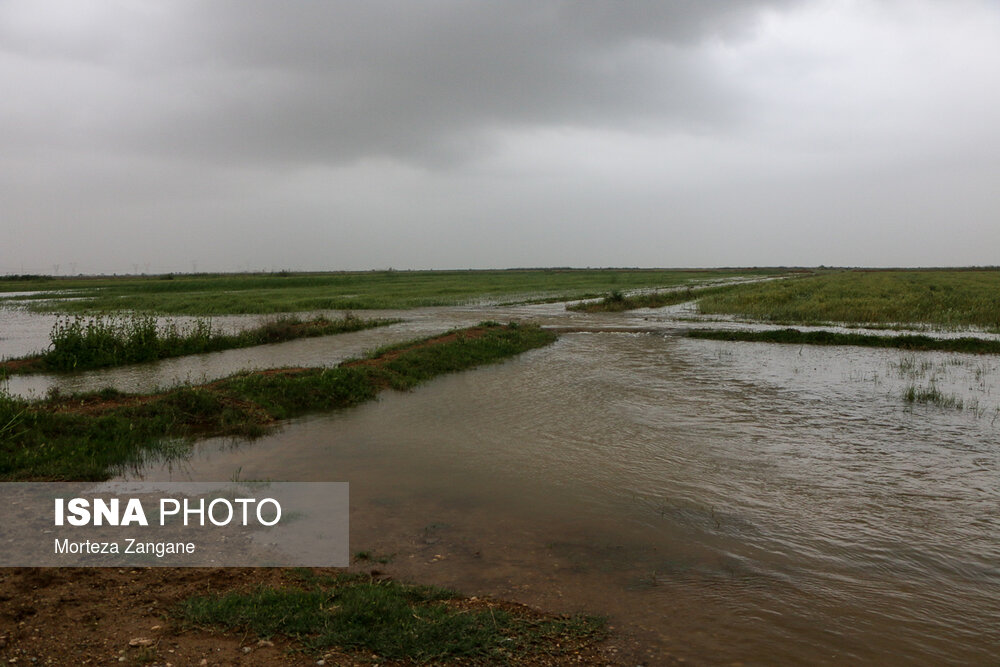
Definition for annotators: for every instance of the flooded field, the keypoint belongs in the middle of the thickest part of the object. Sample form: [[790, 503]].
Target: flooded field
[[720, 502]]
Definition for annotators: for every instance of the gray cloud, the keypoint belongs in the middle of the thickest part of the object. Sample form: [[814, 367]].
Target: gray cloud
[[329, 82], [244, 134]]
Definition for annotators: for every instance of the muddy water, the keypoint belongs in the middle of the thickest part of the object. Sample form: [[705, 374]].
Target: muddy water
[[721, 502], [724, 503]]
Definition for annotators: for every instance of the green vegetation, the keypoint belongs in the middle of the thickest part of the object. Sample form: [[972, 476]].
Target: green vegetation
[[618, 302], [905, 342], [932, 395], [204, 294], [90, 436], [99, 342], [390, 619], [948, 298]]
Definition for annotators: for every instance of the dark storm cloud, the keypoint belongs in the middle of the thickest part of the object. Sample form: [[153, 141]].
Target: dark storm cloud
[[331, 82], [244, 134]]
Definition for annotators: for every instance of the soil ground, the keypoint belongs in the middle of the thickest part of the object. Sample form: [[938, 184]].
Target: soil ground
[[110, 616]]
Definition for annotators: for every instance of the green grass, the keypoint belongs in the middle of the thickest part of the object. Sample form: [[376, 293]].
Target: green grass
[[203, 294], [904, 342], [932, 395], [80, 343], [91, 436], [389, 619], [944, 298]]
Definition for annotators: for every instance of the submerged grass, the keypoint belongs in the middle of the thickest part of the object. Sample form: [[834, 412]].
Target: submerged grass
[[932, 395], [91, 436], [904, 342], [204, 294], [393, 620], [80, 343], [947, 298]]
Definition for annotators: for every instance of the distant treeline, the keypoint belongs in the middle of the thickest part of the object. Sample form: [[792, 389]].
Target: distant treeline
[[24, 277]]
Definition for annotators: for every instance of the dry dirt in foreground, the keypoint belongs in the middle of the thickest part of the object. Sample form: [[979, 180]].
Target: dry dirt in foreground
[[111, 616]]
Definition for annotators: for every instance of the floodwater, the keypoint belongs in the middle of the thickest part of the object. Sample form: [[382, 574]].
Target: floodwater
[[721, 502]]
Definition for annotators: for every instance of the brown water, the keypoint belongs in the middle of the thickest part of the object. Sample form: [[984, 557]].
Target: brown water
[[726, 502], [721, 502]]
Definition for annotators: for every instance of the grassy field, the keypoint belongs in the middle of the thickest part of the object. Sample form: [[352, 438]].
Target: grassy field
[[944, 298], [90, 436], [203, 294]]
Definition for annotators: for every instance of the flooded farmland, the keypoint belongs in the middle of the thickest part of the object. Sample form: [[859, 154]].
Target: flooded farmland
[[720, 502]]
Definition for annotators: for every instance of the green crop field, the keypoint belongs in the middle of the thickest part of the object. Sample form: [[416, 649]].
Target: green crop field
[[944, 298], [218, 294]]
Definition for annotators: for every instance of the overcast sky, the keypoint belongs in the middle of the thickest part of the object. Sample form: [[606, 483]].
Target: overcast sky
[[179, 135]]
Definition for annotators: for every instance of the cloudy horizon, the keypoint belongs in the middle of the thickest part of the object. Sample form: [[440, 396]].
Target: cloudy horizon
[[149, 137]]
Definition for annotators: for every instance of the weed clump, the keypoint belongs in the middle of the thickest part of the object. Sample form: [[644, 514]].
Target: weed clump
[[934, 396], [99, 342]]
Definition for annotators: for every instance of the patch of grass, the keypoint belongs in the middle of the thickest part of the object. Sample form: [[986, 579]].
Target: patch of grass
[[911, 366], [205, 294], [80, 343], [390, 619], [617, 301], [406, 365], [904, 342], [90, 436], [934, 396], [947, 298]]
